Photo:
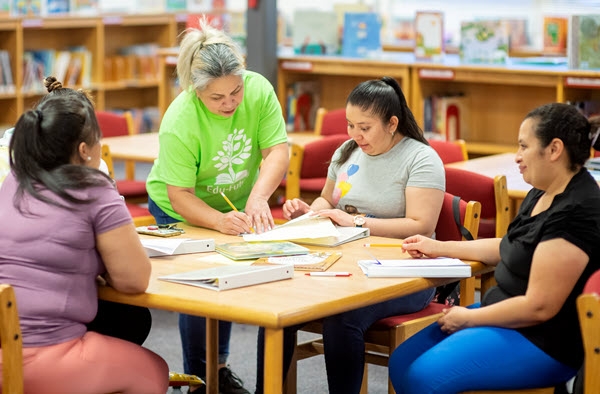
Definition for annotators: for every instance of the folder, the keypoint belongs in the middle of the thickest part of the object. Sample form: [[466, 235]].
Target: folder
[[156, 247], [346, 234], [416, 268], [228, 277]]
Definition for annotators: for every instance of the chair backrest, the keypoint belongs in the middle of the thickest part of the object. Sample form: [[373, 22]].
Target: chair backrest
[[310, 161], [450, 151], [492, 193], [114, 125], [106, 156], [331, 122], [11, 342], [447, 229], [588, 308]]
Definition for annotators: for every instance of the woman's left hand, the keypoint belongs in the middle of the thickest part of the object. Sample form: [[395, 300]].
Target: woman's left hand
[[260, 213], [454, 319], [338, 216]]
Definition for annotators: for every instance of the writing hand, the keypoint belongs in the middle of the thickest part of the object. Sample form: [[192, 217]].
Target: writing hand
[[234, 223]]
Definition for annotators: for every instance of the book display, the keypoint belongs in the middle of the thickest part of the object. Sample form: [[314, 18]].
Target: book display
[[484, 42], [429, 35], [315, 32], [555, 35], [362, 34], [584, 41]]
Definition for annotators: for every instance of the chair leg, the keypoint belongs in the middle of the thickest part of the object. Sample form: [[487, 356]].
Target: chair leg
[[364, 387]]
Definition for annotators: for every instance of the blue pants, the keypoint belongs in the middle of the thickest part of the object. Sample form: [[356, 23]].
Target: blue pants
[[343, 339], [478, 358], [192, 329]]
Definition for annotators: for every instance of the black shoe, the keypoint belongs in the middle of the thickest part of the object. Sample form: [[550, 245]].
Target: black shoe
[[229, 383]]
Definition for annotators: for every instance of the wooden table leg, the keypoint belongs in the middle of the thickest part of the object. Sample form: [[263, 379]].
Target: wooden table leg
[[212, 356], [273, 361]]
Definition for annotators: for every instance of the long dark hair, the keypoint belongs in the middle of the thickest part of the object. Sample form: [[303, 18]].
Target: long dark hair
[[44, 142], [383, 98]]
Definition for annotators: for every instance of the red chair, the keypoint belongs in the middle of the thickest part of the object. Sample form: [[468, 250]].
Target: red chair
[[385, 335], [492, 193], [140, 214], [331, 122], [450, 151], [115, 125]]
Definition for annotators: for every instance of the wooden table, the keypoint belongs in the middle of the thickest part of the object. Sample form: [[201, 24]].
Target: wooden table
[[272, 305], [501, 164]]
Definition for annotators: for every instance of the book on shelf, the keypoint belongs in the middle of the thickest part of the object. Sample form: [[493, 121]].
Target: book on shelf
[[484, 41], [176, 5], [429, 35], [399, 31], [8, 84], [555, 35], [312, 261], [157, 247], [254, 250], [362, 34], [4, 8], [315, 32], [584, 42], [84, 7], [56, 7], [26, 8], [341, 9], [419, 268], [517, 33], [445, 117], [228, 277], [302, 103]]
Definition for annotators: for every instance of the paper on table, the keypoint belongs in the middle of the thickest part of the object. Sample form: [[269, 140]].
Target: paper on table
[[439, 262], [163, 245], [218, 258], [305, 226]]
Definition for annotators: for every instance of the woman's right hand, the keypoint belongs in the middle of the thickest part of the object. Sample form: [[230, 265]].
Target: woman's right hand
[[419, 246], [294, 208], [234, 223]]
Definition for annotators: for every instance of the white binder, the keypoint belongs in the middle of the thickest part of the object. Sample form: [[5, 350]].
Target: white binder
[[156, 247]]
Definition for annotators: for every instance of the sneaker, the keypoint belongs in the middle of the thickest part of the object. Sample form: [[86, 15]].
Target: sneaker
[[229, 383]]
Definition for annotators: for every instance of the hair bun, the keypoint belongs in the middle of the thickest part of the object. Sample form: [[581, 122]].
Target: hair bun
[[51, 84]]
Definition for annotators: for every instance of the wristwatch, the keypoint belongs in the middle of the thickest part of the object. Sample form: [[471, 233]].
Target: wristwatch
[[359, 221]]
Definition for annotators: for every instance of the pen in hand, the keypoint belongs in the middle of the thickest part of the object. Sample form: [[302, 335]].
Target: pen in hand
[[232, 206]]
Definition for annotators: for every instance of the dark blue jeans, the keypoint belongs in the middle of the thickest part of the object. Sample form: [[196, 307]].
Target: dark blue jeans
[[343, 339], [192, 329]]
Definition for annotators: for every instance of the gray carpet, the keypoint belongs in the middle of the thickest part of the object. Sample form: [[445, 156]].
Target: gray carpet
[[164, 340]]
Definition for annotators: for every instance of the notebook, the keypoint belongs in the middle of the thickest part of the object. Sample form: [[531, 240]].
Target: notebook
[[346, 234], [255, 250], [313, 261], [419, 268], [228, 277]]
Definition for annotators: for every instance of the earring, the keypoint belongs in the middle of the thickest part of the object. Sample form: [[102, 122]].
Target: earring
[[89, 158]]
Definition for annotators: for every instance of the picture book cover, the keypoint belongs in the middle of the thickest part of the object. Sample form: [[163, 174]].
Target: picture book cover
[[517, 33], [485, 41], [584, 41], [555, 35], [255, 250], [313, 261], [315, 32], [429, 35], [26, 7], [84, 7], [399, 31], [362, 34]]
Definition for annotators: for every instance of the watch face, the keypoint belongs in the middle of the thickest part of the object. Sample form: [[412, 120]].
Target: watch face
[[359, 220]]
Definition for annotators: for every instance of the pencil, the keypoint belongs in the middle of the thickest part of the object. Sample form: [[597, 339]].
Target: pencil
[[232, 206], [382, 245], [229, 202]]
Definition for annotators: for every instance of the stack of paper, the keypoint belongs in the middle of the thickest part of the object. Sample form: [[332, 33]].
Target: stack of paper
[[419, 268], [155, 247], [255, 250]]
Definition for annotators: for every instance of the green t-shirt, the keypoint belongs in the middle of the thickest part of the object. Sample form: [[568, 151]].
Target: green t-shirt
[[213, 153]]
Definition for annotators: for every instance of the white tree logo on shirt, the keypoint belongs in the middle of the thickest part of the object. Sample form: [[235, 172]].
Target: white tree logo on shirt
[[236, 149]]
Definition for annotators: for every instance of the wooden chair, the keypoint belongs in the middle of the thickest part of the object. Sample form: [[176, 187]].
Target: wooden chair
[[450, 151], [491, 193], [140, 214], [588, 307], [11, 342], [385, 335], [331, 122], [115, 125]]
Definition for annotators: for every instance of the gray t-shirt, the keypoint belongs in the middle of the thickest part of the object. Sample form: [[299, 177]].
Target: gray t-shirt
[[375, 185]]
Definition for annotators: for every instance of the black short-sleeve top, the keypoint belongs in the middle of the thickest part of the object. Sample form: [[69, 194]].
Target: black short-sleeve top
[[574, 215]]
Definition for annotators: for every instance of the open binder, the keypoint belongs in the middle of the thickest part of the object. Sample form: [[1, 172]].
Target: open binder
[[228, 277]]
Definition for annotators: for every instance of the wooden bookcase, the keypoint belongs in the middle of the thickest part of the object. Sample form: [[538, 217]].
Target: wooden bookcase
[[497, 97], [103, 36]]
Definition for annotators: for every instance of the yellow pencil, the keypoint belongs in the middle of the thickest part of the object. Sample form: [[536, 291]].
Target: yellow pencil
[[382, 245], [232, 206]]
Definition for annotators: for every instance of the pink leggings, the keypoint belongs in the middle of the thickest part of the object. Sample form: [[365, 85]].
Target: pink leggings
[[94, 364]]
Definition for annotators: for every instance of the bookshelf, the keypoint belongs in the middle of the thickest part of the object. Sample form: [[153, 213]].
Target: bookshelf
[[498, 97], [103, 36]]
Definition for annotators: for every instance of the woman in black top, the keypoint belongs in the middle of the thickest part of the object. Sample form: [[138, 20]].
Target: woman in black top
[[526, 332]]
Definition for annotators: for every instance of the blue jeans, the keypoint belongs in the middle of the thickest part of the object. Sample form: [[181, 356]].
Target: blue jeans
[[192, 329], [478, 358], [343, 339]]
